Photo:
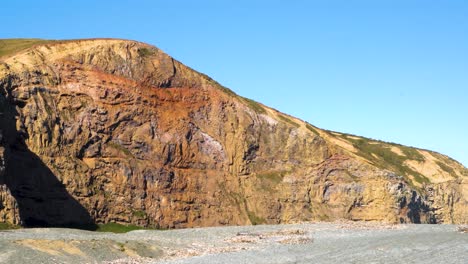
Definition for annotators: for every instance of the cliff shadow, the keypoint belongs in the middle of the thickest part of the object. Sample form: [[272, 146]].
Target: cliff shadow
[[419, 212], [43, 201]]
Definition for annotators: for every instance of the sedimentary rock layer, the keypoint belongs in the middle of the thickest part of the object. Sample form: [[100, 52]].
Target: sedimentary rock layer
[[104, 130]]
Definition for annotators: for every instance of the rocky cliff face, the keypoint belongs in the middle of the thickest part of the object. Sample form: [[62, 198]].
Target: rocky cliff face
[[97, 131]]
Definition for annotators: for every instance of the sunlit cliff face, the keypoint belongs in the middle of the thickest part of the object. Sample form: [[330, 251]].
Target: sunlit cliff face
[[97, 131]]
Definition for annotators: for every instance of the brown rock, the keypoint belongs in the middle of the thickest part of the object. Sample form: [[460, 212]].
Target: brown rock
[[117, 131]]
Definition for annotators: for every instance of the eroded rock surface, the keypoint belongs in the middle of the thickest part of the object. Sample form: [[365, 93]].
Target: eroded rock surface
[[97, 131]]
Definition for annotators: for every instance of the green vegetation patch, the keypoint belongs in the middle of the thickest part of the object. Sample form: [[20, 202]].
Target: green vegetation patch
[[7, 226], [288, 120], [121, 246], [273, 176], [120, 148], [382, 156], [145, 52], [254, 219], [446, 168], [312, 129], [139, 214], [117, 228], [411, 153], [218, 85], [226, 90], [11, 46], [254, 105]]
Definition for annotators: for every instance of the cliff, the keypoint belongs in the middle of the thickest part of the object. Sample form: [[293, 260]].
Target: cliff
[[106, 130]]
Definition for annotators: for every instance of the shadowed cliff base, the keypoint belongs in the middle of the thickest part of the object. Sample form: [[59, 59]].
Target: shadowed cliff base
[[42, 200]]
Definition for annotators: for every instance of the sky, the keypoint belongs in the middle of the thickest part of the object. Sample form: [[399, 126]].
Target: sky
[[390, 70]]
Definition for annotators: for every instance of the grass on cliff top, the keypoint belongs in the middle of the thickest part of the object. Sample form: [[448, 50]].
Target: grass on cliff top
[[446, 168], [257, 107], [312, 129], [11, 46], [117, 228], [380, 154], [288, 120]]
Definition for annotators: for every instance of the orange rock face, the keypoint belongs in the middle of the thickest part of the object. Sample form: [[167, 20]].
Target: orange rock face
[[98, 131]]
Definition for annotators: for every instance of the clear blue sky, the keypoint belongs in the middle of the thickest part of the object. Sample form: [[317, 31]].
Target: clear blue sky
[[391, 70]]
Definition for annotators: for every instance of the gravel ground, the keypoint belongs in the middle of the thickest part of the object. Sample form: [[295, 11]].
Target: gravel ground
[[347, 242]]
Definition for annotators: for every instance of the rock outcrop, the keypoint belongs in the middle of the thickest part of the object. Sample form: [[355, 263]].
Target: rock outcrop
[[104, 130]]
